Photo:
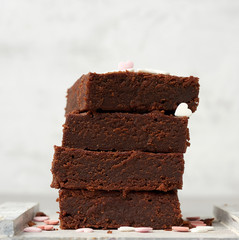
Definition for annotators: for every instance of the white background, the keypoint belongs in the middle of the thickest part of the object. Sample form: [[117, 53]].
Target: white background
[[45, 45]]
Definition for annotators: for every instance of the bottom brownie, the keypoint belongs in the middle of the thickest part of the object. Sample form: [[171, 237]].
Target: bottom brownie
[[112, 209]]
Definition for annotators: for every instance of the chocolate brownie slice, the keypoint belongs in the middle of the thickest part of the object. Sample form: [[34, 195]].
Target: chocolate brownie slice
[[133, 170], [132, 92], [112, 209], [149, 132]]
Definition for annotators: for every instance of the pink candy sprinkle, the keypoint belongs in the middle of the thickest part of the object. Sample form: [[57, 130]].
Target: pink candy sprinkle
[[51, 222], [197, 222], [41, 227], [40, 219], [48, 227], [125, 65], [193, 218], [143, 229], [32, 229], [180, 229], [45, 227], [85, 230], [88, 230]]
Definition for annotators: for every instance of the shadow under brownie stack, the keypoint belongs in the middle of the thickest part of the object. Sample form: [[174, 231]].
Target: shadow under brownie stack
[[121, 160]]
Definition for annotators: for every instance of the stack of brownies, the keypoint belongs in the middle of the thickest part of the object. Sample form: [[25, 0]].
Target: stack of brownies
[[121, 160]]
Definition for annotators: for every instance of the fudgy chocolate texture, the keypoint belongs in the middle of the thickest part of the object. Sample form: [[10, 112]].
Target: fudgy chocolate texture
[[149, 132], [107, 210], [132, 92], [133, 170]]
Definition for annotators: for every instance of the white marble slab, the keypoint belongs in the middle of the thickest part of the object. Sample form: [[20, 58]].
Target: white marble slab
[[229, 215], [223, 229], [14, 216], [221, 232]]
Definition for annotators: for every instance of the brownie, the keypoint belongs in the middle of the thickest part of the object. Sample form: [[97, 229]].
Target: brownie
[[132, 92], [112, 209], [149, 132], [132, 170]]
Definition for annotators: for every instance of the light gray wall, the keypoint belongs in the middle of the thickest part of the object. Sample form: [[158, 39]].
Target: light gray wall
[[45, 45]]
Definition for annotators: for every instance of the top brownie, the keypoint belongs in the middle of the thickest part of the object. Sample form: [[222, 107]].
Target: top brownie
[[128, 91]]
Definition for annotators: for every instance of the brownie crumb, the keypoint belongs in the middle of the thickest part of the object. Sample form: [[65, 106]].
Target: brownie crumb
[[109, 232], [208, 221], [31, 223], [40, 214], [124, 193], [186, 224]]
